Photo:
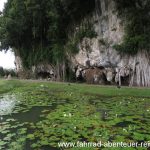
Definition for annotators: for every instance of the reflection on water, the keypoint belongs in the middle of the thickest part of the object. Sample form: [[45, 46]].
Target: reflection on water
[[33, 115], [7, 104]]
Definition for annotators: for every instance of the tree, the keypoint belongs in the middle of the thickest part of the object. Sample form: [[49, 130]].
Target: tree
[[2, 71], [37, 30]]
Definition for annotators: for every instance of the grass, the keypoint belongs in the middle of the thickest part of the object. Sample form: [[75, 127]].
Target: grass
[[9, 85]]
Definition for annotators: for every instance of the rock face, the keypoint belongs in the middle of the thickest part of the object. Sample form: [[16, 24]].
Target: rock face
[[44, 71], [129, 70], [20, 70], [97, 61], [40, 71], [18, 63]]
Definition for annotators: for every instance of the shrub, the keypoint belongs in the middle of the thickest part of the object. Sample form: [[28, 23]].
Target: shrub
[[137, 30]]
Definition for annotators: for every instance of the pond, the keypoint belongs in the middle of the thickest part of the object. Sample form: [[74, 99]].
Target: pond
[[40, 118]]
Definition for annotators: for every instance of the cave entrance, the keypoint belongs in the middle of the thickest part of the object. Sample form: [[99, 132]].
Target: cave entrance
[[125, 80], [43, 75]]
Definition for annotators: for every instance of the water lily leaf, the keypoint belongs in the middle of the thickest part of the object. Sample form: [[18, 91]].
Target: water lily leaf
[[31, 136], [2, 143]]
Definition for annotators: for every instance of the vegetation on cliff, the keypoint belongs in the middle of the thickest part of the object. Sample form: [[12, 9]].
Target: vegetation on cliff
[[49, 30], [137, 30], [38, 30]]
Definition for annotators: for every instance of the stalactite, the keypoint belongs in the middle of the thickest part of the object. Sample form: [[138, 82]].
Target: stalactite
[[141, 70]]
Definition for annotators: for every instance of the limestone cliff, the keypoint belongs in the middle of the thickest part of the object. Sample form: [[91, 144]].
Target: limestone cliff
[[99, 51], [133, 70]]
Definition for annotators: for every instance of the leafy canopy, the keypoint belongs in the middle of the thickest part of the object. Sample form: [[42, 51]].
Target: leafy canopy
[[137, 31], [38, 30]]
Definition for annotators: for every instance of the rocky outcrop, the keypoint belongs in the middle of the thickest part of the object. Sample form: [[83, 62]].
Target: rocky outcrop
[[21, 72], [97, 61], [44, 71], [95, 75], [18, 63], [40, 71], [129, 70]]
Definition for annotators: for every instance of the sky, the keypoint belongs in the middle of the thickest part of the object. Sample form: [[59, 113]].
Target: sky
[[6, 59], [2, 4]]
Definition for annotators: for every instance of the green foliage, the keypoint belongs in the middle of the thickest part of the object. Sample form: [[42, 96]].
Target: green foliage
[[4, 72], [132, 44], [7, 86], [10, 71], [102, 42], [78, 9], [137, 30], [37, 30], [85, 31]]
